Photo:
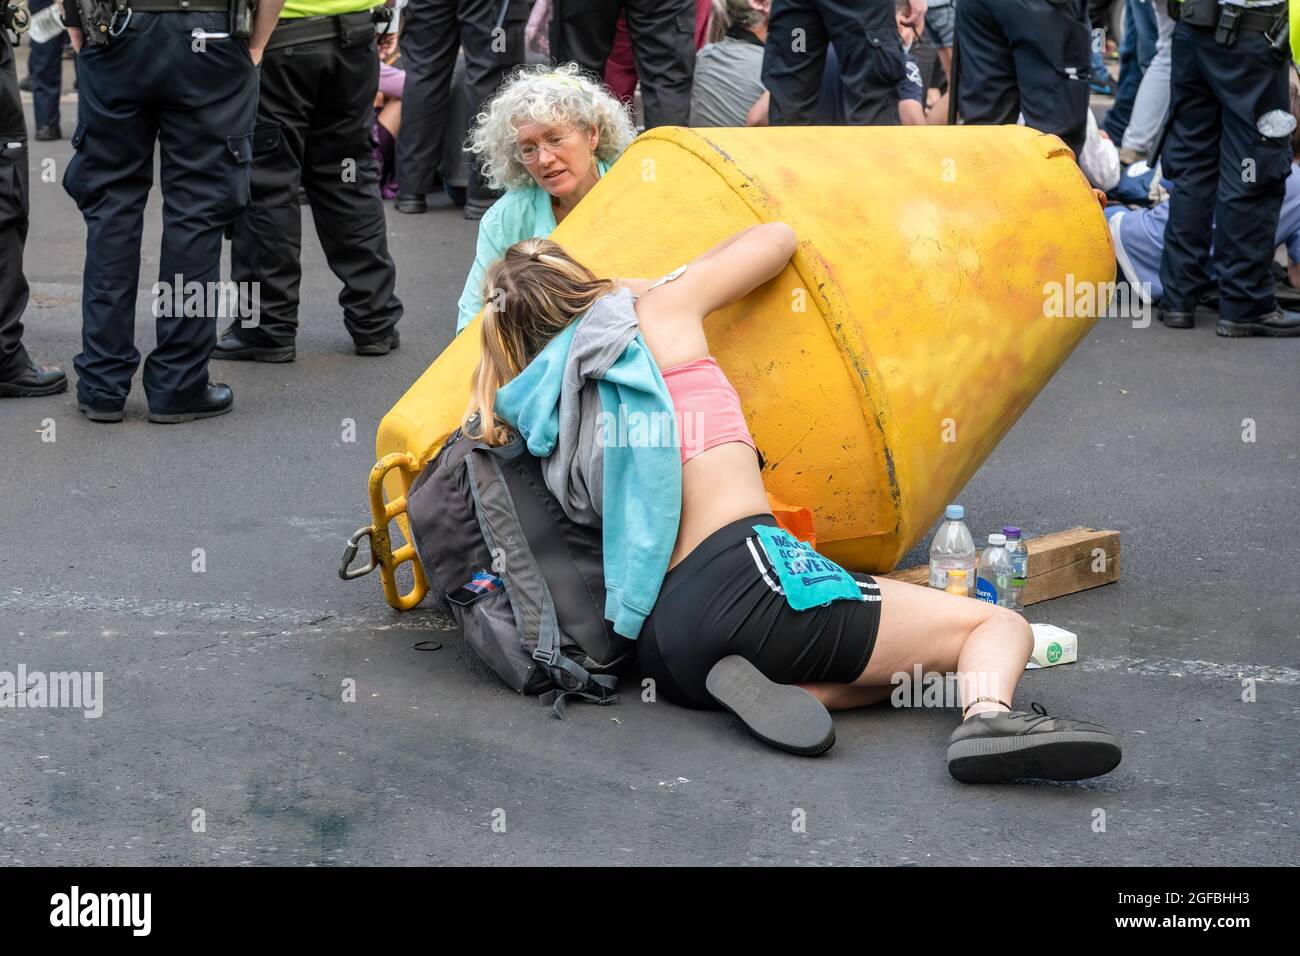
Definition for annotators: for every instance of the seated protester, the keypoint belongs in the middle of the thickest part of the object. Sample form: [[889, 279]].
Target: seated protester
[[729, 73], [1139, 239], [722, 602], [1134, 186], [546, 138]]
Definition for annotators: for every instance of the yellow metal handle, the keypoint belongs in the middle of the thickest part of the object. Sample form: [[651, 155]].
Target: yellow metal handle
[[381, 542]]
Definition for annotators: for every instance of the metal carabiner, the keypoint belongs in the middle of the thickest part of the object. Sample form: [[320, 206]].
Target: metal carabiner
[[350, 554], [125, 23]]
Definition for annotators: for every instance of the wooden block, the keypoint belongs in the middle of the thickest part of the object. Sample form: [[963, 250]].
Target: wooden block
[[1059, 564]]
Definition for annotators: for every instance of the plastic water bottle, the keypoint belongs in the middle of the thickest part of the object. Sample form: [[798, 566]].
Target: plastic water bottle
[[993, 582], [1019, 565], [953, 549]]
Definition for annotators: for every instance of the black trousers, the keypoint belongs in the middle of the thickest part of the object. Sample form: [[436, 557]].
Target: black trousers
[[663, 45], [434, 30], [13, 214], [151, 87], [1025, 56], [1224, 169], [867, 45], [45, 64], [314, 119]]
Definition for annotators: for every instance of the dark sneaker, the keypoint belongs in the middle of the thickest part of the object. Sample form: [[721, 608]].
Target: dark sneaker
[[382, 347], [32, 382], [216, 400], [781, 715], [1279, 323], [1000, 747], [45, 134], [232, 348]]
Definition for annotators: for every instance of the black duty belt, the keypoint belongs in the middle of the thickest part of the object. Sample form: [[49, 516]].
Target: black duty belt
[[179, 6], [1229, 19], [348, 27]]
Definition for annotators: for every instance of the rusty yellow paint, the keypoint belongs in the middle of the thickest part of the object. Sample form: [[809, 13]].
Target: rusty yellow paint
[[907, 335]]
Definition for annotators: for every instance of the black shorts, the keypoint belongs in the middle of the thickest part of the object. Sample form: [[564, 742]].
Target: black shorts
[[724, 598]]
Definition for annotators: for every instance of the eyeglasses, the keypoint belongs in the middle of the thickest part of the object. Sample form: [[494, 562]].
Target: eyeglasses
[[531, 152]]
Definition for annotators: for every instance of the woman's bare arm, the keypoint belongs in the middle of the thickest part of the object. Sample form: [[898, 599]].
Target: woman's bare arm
[[672, 314], [726, 273]]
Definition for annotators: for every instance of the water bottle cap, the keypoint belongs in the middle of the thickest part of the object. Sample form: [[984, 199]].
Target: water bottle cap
[[1011, 531], [954, 512], [997, 540]]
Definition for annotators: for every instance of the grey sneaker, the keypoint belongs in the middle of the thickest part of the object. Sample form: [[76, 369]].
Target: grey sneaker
[[1000, 747]]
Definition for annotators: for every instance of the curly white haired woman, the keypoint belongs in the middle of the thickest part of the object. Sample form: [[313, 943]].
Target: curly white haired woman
[[546, 138]]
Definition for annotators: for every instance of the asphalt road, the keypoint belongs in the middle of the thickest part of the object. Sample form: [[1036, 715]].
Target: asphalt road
[[222, 689]]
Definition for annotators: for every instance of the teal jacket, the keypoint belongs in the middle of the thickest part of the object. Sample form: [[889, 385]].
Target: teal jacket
[[594, 407], [522, 213]]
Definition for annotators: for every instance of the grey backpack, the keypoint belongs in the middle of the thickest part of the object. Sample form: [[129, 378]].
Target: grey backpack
[[524, 582]]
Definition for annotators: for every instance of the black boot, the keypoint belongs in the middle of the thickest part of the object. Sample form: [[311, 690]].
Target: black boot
[[232, 348], [32, 381], [411, 204], [382, 347], [217, 399], [1279, 323]]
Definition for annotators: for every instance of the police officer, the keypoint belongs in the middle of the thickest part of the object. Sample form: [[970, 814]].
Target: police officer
[[1025, 56], [491, 34], [19, 376], [1228, 155], [867, 45], [662, 33], [45, 63], [181, 74], [314, 116]]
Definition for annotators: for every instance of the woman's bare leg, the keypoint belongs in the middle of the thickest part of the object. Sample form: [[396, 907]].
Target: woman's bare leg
[[985, 645]]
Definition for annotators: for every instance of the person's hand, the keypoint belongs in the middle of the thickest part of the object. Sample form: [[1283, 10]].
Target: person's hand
[[77, 38], [255, 53], [915, 16], [387, 45]]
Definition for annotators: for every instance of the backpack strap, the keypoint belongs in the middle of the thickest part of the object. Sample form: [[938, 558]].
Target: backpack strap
[[599, 691]]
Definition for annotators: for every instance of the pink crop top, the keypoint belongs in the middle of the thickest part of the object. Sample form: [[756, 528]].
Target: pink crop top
[[707, 407], [706, 404]]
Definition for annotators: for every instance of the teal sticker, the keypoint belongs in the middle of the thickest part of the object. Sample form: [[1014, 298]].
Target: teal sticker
[[808, 579]]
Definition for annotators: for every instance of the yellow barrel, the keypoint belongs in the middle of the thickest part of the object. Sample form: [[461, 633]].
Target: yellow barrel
[[938, 284]]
